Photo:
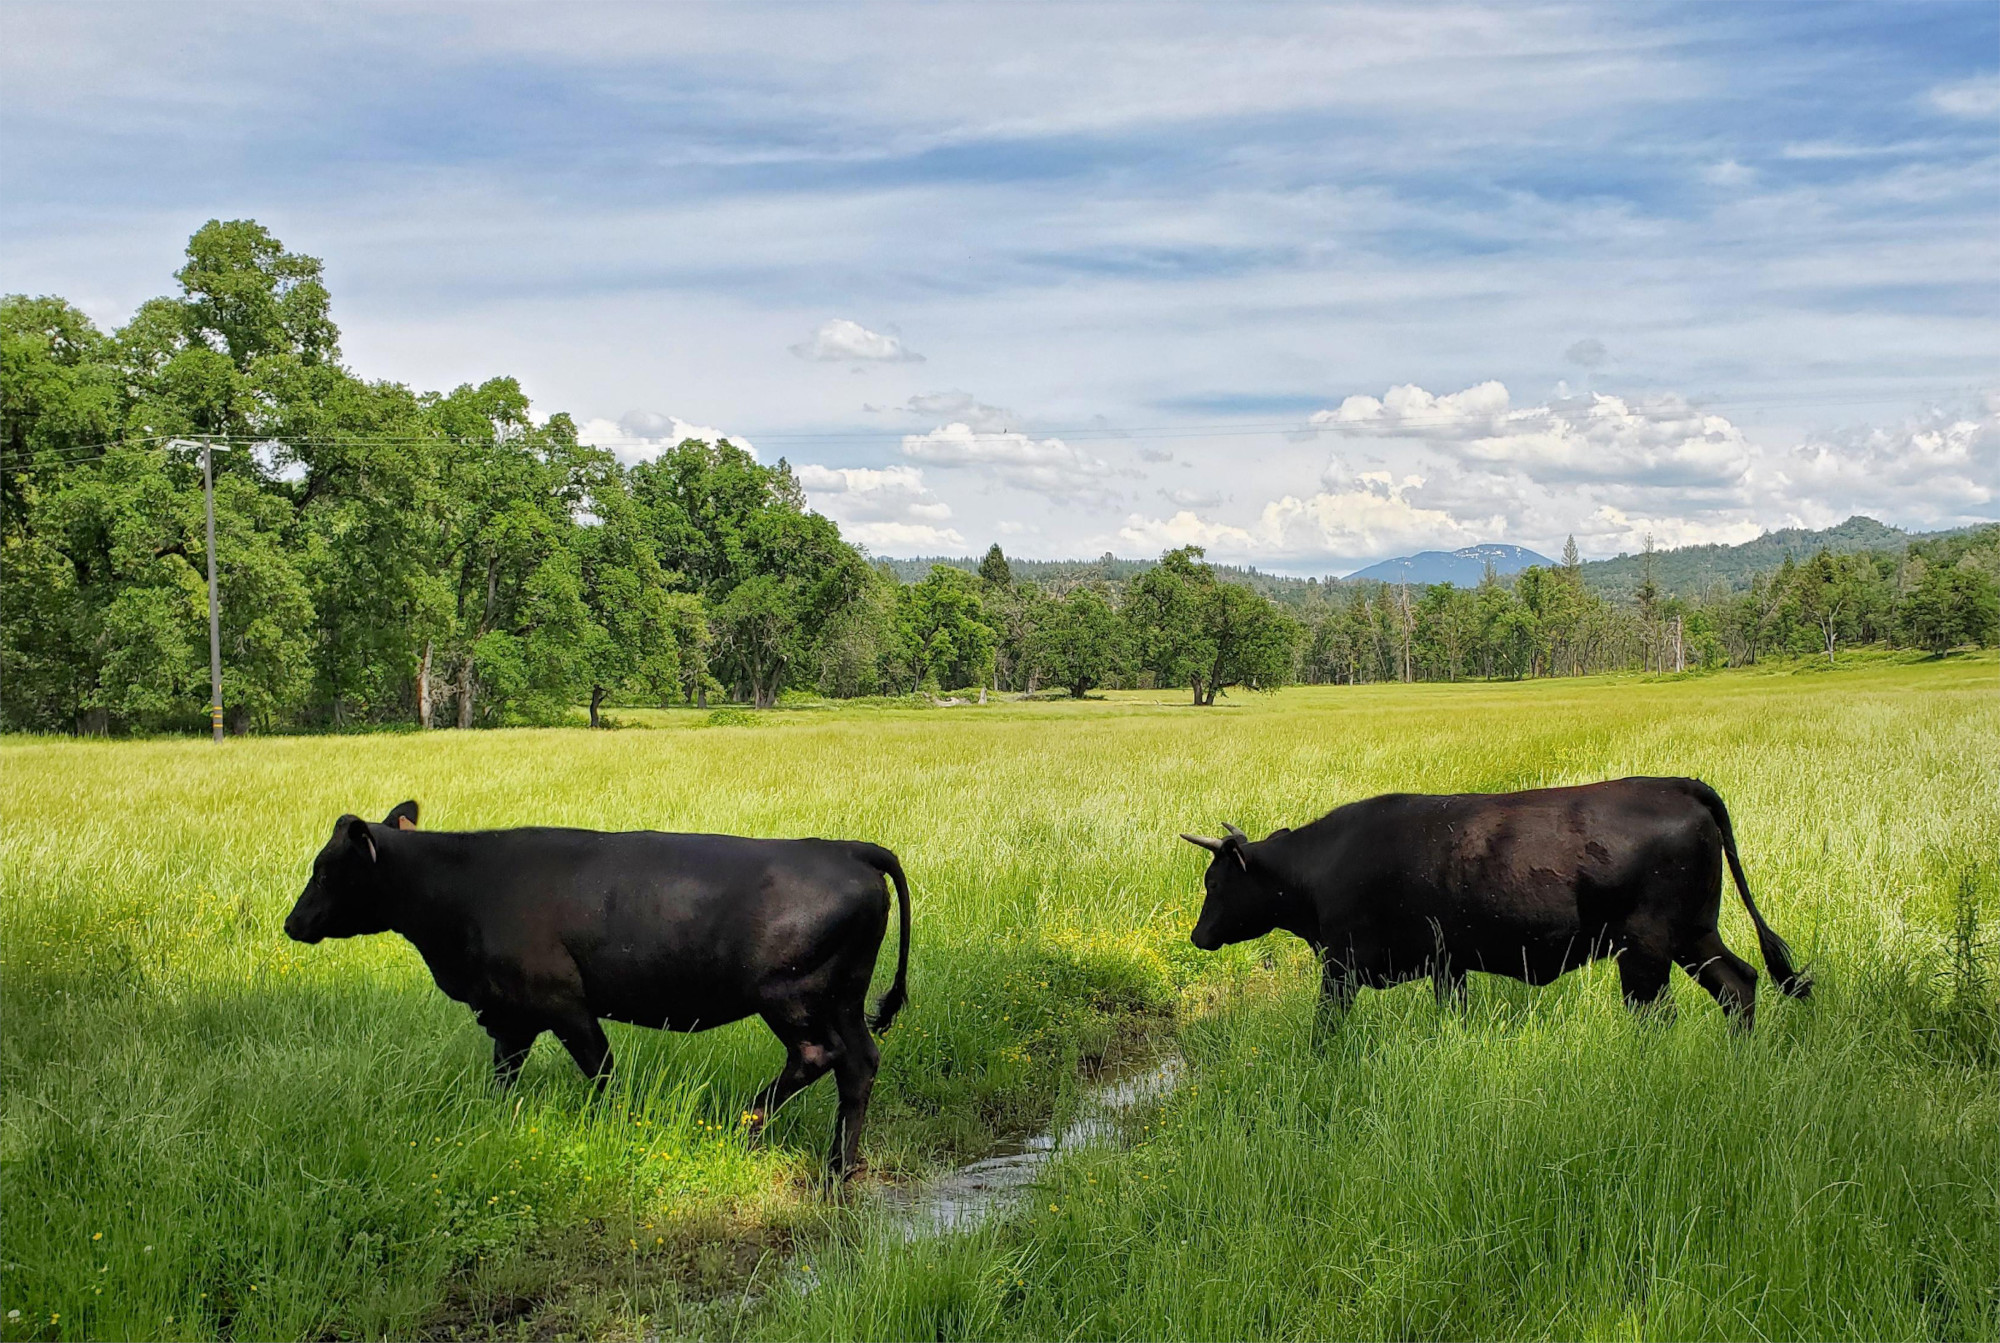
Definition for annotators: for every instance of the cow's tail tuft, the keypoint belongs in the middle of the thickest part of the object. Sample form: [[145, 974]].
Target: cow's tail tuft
[[1777, 956], [892, 1002]]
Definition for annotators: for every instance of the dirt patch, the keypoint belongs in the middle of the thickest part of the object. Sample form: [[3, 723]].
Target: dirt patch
[[621, 1278]]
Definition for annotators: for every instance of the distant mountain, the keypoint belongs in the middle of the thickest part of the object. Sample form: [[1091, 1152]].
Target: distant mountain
[[1694, 569], [1464, 567]]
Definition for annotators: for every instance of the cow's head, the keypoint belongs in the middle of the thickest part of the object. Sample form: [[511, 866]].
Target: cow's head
[[343, 898], [1241, 903]]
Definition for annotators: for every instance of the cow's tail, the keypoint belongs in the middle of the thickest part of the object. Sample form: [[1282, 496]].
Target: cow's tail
[[1777, 956], [898, 995]]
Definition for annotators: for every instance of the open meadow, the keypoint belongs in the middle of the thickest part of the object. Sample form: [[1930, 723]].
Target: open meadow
[[212, 1132]]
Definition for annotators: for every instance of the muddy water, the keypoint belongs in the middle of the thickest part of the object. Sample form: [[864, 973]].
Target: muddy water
[[969, 1196]]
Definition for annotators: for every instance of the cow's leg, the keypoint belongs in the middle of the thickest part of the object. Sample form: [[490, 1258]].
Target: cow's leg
[[584, 1038], [805, 1063], [1729, 979], [854, 1070], [1337, 988], [1645, 977], [511, 1042]]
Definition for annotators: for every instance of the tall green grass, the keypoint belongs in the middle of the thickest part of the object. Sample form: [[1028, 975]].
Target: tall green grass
[[211, 1132]]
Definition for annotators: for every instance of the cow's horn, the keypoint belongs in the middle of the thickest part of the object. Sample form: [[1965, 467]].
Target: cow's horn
[[1234, 833], [1199, 841]]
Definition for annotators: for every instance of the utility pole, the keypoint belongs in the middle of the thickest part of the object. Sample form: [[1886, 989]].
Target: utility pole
[[214, 609]]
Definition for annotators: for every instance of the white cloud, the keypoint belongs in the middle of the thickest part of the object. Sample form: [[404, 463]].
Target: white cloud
[[641, 435], [962, 408], [842, 341], [1185, 528], [866, 492], [1194, 498], [1361, 514], [1659, 440], [1977, 97], [1728, 173], [1045, 465], [1941, 469], [906, 537], [884, 509], [1408, 411], [1610, 530]]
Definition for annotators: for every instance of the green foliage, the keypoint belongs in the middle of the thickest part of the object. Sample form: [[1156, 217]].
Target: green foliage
[[383, 555], [1081, 643], [941, 634], [994, 570], [1951, 606], [245, 292]]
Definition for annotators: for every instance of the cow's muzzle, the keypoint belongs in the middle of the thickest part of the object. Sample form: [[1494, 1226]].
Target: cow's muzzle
[[301, 930]]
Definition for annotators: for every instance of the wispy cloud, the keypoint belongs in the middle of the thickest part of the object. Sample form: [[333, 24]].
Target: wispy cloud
[[1044, 466], [1978, 97], [1780, 217]]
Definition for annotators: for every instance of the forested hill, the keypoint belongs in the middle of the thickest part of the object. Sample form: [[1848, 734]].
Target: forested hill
[[1687, 571], [1695, 569]]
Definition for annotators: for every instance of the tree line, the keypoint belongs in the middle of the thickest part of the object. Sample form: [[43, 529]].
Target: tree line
[[1934, 595], [434, 559]]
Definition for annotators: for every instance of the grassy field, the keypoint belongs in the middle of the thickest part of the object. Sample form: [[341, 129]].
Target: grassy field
[[212, 1132]]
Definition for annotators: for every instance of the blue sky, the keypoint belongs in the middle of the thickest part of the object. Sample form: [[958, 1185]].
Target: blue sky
[[1306, 285]]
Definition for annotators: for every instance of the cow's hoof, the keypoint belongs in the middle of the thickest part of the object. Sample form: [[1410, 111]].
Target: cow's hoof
[[839, 1182]]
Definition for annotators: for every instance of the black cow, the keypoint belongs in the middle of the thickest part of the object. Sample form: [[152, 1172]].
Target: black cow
[[544, 929], [1529, 885]]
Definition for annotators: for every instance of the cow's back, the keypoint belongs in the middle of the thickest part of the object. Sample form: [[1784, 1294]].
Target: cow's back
[[1506, 876], [686, 930]]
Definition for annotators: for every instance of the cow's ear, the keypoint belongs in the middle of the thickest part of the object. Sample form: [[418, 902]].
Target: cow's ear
[[358, 836], [403, 815], [1235, 845]]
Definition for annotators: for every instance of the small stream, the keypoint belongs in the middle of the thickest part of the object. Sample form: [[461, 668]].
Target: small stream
[[973, 1194], [967, 1197]]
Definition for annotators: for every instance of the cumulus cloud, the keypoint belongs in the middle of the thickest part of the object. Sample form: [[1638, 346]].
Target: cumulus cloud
[[1408, 411], [1471, 466], [1657, 441], [1942, 468], [1044, 465], [1363, 513], [885, 509], [641, 435], [842, 341], [1609, 530], [1194, 498]]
